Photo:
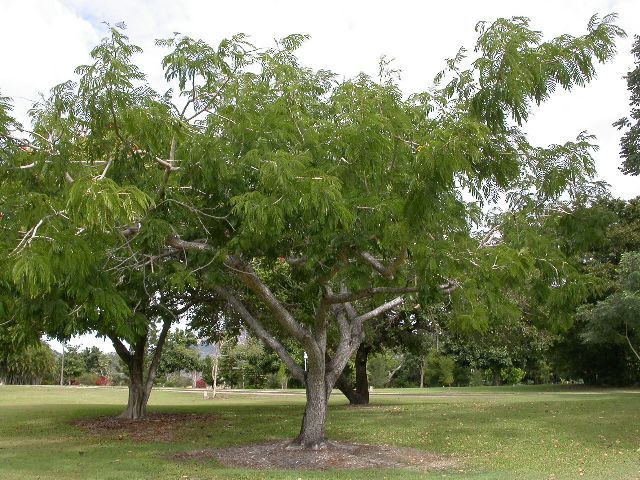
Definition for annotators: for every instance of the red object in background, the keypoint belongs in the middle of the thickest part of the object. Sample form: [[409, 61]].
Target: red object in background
[[201, 384], [103, 381]]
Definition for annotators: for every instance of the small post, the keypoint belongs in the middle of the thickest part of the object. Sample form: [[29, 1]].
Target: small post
[[62, 367], [305, 361]]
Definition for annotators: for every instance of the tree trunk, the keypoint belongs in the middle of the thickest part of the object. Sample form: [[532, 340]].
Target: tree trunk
[[214, 375], [138, 393], [312, 434], [422, 373], [62, 368], [358, 394], [362, 381], [497, 378]]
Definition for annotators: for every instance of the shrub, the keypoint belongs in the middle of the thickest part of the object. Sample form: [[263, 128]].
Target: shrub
[[201, 384], [103, 381], [512, 375], [87, 378]]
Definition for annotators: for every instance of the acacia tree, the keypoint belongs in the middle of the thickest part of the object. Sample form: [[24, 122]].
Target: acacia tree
[[349, 192], [74, 194], [306, 204]]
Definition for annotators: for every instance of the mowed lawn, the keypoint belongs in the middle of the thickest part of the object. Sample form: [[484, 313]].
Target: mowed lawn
[[502, 433]]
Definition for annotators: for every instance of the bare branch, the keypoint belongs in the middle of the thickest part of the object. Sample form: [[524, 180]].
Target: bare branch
[[626, 334], [166, 164], [449, 287], [345, 297], [488, 236], [106, 169], [151, 372], [385, 307], [296, 261], [261, 333], [122, 351], [255, 284], [176, 242], [378, 266]]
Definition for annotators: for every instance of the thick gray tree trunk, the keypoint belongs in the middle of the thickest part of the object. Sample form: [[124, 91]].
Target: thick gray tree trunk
[[138, 393], [139, 386], [312, 434]]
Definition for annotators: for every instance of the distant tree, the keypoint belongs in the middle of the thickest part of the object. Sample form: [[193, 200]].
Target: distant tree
[[439, 369], [617, 318], [74, 364], [598, 252], [383, 366], [501, 348], [248, 364], [179, 354], [96, 361], [630, 142], [29, 364]]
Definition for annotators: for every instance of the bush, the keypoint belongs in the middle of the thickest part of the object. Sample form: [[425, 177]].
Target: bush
[[87, 378], [439, 369], [176, 380], [103, 381], [512, 375], [201, 384]]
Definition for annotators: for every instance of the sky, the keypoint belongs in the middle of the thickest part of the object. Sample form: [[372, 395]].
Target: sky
[[42, 41]]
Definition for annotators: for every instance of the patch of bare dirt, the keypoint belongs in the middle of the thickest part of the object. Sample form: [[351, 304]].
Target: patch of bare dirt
[[155, 427], [337, 455]]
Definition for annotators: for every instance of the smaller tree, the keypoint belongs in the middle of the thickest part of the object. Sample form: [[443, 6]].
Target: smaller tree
[[179, 354], [439, 369], [74, 364], [617, 317], [27, 365]]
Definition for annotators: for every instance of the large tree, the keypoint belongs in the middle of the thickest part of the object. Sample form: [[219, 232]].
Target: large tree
[[306, 204], [71, 190]]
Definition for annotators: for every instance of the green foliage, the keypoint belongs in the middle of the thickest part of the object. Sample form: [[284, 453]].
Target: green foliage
[[382, 366], [103, 205], [617, 317], [248, 364], [266, 159], [178, 354], [630, 142], [74, 364], [29, 364], [439, 369]]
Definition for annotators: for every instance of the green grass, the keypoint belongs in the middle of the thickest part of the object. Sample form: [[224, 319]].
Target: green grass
[[503, 433]]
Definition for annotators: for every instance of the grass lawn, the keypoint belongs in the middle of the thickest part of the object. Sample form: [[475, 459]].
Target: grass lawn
[[502, 433]]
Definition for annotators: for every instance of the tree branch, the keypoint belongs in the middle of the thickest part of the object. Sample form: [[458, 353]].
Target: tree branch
[[122, 351], [344, 297], [176, 242], [253, 282], [385, 307], [378, 266], [106, 169], [151, 372], [626, 334], [261, 333]]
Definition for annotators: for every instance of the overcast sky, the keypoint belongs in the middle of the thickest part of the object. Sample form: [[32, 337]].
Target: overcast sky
[[44, 40]]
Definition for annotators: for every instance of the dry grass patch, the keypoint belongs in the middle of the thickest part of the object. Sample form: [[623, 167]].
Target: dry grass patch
[[337, 455], [155, 427]]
